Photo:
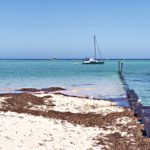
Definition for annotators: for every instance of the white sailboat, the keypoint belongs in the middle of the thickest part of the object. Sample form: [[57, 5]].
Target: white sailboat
[[94, 60]]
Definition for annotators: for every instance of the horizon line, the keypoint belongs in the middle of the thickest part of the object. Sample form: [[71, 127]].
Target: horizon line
[[72, 58]]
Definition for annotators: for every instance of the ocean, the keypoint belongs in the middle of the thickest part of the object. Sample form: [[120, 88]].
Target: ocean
[[99, 81], [137, 75]]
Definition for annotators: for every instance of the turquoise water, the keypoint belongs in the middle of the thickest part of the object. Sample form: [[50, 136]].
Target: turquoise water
[[100, 81], [137, 75]]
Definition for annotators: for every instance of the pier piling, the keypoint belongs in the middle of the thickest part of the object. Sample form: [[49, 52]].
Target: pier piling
[[120, 69]]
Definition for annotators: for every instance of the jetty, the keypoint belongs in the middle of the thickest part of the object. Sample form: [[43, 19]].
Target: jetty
[[141, 111]]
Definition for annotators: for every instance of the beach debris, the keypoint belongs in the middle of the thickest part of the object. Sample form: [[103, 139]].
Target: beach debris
[[107, 129], [20, 101], [50, 89]]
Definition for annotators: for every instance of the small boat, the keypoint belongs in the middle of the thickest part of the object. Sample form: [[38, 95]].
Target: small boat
[[94, 60]]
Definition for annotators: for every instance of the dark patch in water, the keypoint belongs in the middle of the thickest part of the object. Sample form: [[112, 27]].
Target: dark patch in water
[[147, 90], [82, 84], [51, 89], [88, 84], [137, 80], [148, 74]]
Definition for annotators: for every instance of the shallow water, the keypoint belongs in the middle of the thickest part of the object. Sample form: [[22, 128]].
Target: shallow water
[[100, 81]]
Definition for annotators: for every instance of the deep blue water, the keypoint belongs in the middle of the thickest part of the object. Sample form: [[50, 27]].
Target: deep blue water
[[101, 81]]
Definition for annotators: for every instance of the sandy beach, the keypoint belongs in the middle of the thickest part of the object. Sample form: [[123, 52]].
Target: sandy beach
[[74, 75], [55, 121]]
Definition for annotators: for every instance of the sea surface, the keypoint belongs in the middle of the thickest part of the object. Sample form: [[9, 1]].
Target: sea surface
[[137, 75], [99, 81]]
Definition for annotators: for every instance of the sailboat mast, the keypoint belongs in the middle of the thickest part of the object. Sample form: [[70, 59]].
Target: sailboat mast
[[95, 46]]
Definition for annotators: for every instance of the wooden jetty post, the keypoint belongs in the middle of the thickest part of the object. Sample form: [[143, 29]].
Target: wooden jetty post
[[120, 69], [121, 75], [119, 66]]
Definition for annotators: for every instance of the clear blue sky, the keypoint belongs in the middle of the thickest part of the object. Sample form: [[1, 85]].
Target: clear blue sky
[[65, 28]]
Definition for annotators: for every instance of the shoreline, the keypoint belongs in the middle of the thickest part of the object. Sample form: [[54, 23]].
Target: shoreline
[[120, 101], [110, 126]]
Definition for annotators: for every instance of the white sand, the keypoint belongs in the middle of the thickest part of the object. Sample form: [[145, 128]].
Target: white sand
[[123, 120], [81, 105], [2, 99], [27, 132]]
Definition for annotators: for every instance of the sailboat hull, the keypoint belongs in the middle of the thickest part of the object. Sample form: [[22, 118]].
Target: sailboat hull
[[93, 62]]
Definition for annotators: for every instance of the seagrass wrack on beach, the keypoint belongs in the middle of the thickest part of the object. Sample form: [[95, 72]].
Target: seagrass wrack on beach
[[58, 121]]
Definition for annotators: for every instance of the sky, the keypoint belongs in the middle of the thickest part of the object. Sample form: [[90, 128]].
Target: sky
[[65, 28]]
